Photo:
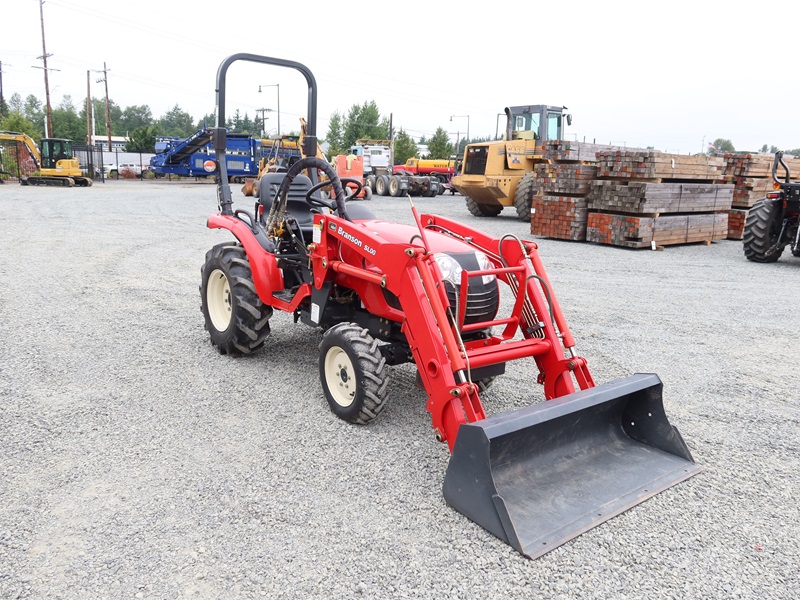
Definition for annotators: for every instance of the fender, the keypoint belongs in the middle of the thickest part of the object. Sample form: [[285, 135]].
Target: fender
[[267, 277]]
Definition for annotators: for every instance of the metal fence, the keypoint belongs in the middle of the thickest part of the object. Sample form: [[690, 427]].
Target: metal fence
[[16, 162]]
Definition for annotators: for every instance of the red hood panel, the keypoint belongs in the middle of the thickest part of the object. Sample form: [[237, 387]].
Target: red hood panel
[[398, 233]]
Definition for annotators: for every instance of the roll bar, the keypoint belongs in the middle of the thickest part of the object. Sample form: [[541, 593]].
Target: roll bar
[[218, 133], [779, 159]]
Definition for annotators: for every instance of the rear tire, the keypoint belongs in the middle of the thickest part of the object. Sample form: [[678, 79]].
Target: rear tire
[[394, 187], [523, 197], [353, 373], [235, 317], [381, 185], [761, 230], [483, 210]]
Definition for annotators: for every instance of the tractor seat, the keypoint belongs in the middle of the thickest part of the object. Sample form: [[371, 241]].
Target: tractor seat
[[296, 204]]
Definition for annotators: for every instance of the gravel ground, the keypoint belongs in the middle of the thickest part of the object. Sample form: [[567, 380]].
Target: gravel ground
[[139, 463]]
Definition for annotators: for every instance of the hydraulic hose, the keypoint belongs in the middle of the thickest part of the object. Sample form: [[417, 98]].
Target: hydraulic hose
[[312, 162]]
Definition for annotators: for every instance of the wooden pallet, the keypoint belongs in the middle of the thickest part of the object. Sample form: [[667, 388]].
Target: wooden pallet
[[657, 198], [652, 232]]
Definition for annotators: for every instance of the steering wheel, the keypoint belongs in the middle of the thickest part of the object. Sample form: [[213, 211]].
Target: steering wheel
[[317, 201]]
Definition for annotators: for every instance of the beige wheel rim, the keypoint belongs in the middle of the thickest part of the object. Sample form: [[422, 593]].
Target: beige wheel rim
[[218, 298], [340, 377]]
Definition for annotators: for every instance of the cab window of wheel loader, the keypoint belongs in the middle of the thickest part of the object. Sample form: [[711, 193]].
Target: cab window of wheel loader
[[553, 126], [526, 127]]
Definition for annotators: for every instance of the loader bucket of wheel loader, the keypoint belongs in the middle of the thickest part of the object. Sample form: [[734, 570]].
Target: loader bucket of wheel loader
[[542, 475]]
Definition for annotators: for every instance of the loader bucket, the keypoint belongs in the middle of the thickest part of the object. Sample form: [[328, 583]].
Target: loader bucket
[[539, 476]]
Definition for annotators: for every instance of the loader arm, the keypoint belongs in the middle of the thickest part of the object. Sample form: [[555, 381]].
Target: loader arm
[[430, 325]]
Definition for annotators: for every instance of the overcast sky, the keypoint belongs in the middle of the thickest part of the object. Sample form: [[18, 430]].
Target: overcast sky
[[672, 75]]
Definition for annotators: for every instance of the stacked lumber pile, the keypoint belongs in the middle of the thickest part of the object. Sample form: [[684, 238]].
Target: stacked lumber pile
[[566, 151], [559, 217], [656, 198], [559, 209], [658, 166], [632, 231], [644, 199], [736, 218], [751, 175], [571, 179]]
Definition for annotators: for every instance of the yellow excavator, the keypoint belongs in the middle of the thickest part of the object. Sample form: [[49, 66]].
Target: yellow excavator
[[55, 163]]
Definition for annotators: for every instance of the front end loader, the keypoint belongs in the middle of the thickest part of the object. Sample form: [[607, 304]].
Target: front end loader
[[459, 304]]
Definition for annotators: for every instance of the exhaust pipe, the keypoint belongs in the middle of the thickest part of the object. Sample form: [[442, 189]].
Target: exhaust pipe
[[539, 476]]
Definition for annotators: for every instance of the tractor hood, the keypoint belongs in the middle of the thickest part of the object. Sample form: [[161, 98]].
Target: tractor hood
[[397, 233]]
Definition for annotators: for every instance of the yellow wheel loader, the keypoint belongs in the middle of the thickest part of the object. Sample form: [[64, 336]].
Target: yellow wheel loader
[[498, 174]]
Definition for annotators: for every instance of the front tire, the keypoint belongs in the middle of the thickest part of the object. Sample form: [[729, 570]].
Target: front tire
[[235, 317], [523, 196], [353, 373], [482, 210], [761, 230]]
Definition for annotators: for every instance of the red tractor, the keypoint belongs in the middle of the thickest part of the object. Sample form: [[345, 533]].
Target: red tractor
[[387, 293], [774, 222]]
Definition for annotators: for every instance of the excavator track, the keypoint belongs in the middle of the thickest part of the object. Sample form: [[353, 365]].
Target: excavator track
[[51, 181]]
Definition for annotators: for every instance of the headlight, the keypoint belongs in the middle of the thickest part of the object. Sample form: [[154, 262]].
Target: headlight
[[451, 270], [485, 264]]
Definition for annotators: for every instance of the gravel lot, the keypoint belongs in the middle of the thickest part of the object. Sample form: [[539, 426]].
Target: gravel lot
[[139, 463]]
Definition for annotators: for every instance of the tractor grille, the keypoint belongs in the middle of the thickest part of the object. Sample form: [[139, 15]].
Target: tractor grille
[[482, 300]]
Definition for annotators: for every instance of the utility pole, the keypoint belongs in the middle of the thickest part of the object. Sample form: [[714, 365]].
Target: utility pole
[[263, 120], [278, 86], [88, 111], [108, 109], [48, 113]]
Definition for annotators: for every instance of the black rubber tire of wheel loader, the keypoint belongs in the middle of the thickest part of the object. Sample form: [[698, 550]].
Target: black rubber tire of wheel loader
[[761, 228], [523, 196], [227, 270], [353, 373], [482, 210]]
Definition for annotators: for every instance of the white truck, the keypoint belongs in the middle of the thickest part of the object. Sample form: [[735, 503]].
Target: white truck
[[114, 171], [387, 180]]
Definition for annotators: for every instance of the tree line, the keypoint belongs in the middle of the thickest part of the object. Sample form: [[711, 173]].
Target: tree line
[[140, 126], [722, 145], [137, 122]]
